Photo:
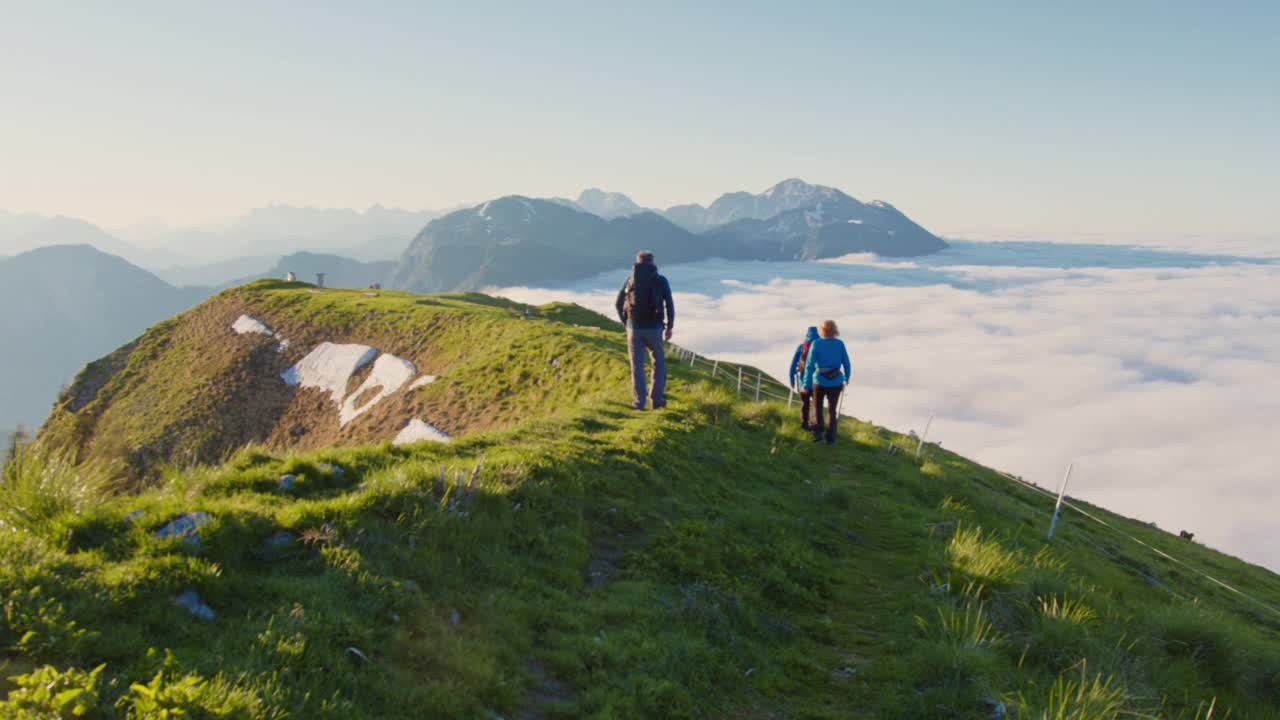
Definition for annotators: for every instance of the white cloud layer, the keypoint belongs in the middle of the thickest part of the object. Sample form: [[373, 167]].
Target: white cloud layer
[[1157, 373]]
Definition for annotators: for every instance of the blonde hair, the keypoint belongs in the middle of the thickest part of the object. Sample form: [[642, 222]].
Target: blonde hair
[[828, 329]]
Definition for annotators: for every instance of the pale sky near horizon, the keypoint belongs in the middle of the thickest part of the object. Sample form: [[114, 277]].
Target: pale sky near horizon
[[1072, 117]]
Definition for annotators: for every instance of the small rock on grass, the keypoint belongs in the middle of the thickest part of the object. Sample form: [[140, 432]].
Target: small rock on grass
[[190, 601], [186, 527], [286, 481]]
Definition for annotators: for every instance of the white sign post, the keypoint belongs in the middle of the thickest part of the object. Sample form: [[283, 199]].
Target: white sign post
[[1058, 508]]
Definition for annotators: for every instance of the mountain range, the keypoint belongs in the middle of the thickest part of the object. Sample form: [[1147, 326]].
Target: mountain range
[[74, 290], [63, 306], [521, 240]]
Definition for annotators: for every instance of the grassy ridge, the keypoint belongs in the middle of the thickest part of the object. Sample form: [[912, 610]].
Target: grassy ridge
[[704, 561]]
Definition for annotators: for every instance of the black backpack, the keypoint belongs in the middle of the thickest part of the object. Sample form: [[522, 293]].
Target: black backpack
[[644, 294]]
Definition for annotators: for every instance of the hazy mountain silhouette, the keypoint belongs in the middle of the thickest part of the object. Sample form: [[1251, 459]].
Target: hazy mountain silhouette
[[339, 272], [522, 241], [608, 205], [64, 306], [378, 233]]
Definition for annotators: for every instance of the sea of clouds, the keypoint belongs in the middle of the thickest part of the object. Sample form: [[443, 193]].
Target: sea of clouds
[[1155, 370]]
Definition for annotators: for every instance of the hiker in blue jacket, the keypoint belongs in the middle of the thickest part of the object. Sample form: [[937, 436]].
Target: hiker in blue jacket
[[797, 375], [645, 306], [827, 371]]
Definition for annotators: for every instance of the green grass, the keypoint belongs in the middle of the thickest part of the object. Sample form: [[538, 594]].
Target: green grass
[[708, 560]]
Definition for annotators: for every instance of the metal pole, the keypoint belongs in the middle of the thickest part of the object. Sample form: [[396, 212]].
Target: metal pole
[[840, 404], [922, 437], [791, 396], [1058, 508], [758, 386]]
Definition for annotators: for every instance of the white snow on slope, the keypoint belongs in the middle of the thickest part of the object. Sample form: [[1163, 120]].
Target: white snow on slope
[[245, 325], [389, 374], [417, 431], [424, 380], [329, 367]]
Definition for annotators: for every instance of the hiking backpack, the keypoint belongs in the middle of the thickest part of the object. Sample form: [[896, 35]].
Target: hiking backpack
[[644, 294], [804, 358]]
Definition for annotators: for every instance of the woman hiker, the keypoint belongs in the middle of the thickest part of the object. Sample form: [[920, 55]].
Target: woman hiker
[[827, 371]]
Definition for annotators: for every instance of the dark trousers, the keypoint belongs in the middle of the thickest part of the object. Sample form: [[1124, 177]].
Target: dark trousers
[[642, 342], [830, 395], [806, 399]]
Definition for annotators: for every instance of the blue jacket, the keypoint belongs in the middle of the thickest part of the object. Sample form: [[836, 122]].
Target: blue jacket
[[826, 353], [796, 373]]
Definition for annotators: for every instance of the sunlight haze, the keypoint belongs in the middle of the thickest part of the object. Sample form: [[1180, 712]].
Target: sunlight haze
[[1140, 117]]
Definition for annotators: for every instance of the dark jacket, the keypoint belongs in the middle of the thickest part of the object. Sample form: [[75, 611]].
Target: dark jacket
[[826, 353], [667, 303], [796, 373]]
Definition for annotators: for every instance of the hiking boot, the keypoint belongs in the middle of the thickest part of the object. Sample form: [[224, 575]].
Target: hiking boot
[[659, 405]]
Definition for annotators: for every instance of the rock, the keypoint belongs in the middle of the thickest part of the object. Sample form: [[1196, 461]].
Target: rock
[[133, 516], [186, 527], [286, 481], [357, 653], [331, 469], [190, 601], [280, 546], [455, 617], [297, 430]]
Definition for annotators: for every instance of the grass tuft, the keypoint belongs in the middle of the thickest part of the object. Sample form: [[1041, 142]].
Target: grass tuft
[[40, 488]]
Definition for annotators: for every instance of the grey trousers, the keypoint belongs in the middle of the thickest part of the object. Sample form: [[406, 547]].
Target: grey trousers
[[639, 342]]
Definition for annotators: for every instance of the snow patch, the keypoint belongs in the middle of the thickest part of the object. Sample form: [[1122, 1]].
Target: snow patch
[[245, 325], [389, 374], [424, 380], [417, 431], [329, 367]]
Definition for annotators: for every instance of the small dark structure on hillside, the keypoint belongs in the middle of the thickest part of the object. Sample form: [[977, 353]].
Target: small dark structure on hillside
[[1186, 535]]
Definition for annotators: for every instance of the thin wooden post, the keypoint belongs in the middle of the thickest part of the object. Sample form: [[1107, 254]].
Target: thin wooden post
[[922, 437], [739, 381], [714, 365], [758, 386], [692, 357], [1058, 508]]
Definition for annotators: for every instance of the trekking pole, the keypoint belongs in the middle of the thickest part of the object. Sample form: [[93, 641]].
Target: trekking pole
[[757, 386], [1058, 508], [922, 437], [791, 395]]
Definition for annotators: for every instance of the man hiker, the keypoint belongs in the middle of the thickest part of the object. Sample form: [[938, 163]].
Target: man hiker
[[797, 375], [827, 372], [640, 306]]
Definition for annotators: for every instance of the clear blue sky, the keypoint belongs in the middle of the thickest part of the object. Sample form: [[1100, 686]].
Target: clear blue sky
[[1080, 116]]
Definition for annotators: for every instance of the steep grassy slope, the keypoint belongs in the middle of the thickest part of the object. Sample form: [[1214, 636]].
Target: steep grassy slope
[[193, 390], [704, 561]]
